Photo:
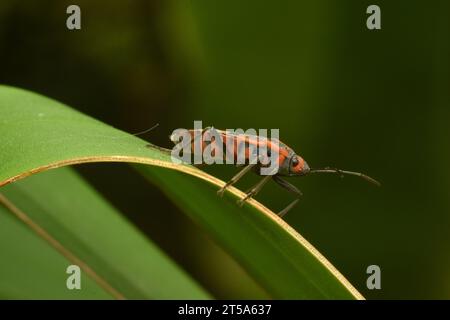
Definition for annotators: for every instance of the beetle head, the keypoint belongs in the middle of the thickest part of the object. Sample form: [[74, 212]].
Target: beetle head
[[294, 165]]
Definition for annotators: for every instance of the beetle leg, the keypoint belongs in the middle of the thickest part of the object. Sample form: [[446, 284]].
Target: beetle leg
[[253, 191], [292, 189], [288, 186], [289, 207], [235, 179]]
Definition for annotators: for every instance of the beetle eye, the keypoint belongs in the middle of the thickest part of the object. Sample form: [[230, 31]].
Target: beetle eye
[[295, 162]]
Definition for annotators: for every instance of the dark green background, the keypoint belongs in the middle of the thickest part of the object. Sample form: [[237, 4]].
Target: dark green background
[[341, 95]]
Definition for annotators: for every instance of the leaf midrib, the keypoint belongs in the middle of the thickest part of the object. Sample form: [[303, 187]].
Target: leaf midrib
[[58, 246]]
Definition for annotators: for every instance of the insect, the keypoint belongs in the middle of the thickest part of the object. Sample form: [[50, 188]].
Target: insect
[[290, 164]]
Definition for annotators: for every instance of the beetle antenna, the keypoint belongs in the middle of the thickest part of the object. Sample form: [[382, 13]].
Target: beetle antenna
[[343, 172], [148, 130]]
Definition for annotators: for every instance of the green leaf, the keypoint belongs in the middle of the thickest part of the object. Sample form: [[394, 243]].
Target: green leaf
[[31, 269], [280, 259], [67, 213], [39, 133]]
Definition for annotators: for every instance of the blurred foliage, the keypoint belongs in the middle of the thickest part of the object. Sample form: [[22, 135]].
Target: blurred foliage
[[374, 101]]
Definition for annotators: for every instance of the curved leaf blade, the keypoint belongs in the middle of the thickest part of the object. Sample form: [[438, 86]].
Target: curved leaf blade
[[73, 218], [31, 269], [40, 134], [282, 261]]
